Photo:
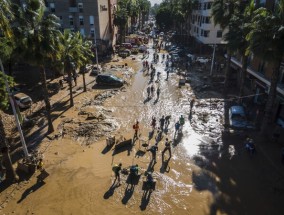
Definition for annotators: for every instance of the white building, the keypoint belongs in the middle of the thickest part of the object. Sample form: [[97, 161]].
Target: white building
[[202, 24]]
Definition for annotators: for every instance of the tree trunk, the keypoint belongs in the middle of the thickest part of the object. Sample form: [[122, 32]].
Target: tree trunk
[[46, 100], [84, 82], [227, 71], [243, 74], [70, 84], [271, 98], [10, 171]]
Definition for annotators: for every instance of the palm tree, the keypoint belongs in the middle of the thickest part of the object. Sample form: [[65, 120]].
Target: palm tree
[[39, 41], [86, 58], [236, 37], [222, 12], [74, 53], [5, 16], [266, 40]]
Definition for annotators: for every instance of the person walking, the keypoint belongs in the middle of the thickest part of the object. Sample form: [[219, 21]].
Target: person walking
[[167, 121], [136, 128], [116, 169], [177, 127], [158, 93], [154, 150], [159, 135], [168, 72], [152, 90], [148, 91], [153, 123], [181, 121], [162, 122], [167, 148]]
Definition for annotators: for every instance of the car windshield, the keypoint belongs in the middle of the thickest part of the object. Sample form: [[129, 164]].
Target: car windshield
[[25, 100], [238, 117], [115, 78]]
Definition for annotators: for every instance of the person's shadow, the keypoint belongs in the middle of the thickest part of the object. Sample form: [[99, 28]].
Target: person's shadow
[[165, 166], [30, 190], [151, 166], [147, 100], [128, 193], [145, 199], [111, 190]]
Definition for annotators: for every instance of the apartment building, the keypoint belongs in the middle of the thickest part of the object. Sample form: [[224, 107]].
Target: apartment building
[[92, 18], [202, 24]]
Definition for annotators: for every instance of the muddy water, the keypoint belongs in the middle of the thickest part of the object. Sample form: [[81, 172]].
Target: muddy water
[[175, 193]]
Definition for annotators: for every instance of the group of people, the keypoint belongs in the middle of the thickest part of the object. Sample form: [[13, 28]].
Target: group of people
[[151, 91], [134, 171]]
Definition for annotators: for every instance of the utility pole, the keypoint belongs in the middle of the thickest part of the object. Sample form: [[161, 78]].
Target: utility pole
[[15, 112], [95, 37], [213, 60]]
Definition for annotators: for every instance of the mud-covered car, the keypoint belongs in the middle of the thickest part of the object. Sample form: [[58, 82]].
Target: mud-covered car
[[238, 118], [23, 100], [109, 80]]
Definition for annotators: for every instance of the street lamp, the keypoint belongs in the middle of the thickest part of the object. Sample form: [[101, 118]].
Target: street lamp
[[95, 37], [213, 59], [15, 113]]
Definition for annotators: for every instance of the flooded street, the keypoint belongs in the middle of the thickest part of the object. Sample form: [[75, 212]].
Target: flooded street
[[208, 173]]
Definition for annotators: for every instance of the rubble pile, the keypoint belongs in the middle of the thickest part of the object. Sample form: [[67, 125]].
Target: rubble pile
[[207, 118]]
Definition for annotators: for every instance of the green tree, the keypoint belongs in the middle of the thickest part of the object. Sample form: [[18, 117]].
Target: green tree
[[6, 16], [266, 40], [39, 41], [120, 20]]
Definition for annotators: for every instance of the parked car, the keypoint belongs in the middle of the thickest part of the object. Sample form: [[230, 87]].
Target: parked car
[[238, 118], [202, 60], [109, 80], [96, 70], [23, 100], [124, 53], [142, 48]]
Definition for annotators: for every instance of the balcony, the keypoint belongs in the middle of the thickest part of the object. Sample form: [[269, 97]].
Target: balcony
[[259, 76], [73, 9]]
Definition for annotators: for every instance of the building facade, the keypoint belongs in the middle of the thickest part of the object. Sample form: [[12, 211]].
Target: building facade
[[92, 18], [203, 28]]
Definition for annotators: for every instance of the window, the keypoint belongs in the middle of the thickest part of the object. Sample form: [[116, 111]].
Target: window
[[205, 6], [81, 20], [206, 33], [92, 20], [209, 5], [80, 6], [219, 33], [72, 3], [207, 20], [202, 32], [60, 17], [71, 20], [52, 7], [92, 32], [82, 31]]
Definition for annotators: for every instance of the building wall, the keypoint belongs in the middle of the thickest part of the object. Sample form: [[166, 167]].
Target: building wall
[[87, 17], [202, 24]]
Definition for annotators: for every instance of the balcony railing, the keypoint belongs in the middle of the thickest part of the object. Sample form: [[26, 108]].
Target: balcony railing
[[259, 76]]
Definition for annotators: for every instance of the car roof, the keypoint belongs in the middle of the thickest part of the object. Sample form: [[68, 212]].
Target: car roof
[[238, 110], [20, 95]]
